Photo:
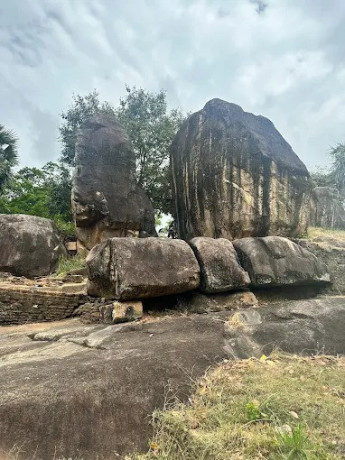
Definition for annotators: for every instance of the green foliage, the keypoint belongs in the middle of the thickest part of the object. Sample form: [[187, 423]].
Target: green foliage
[[334, 176], [150, 126], [67, 264], [321, 178], [253, 411], [294, 443], [338, 167], [41, 192], [81, 109], [8, 155]]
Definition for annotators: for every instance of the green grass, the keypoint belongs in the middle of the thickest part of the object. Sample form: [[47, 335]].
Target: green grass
[[67, 264], [282, 407], [316, 232]]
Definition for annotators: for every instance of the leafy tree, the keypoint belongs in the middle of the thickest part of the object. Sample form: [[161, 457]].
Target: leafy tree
[[8, 154], [81, 109], [333, 176], [41, 192], [321, 177], [338, 167], [58, 181], [150, 126]]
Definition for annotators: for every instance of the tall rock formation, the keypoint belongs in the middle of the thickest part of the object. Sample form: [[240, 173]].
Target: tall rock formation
[[106, 199], [234, 176], [327, 208]]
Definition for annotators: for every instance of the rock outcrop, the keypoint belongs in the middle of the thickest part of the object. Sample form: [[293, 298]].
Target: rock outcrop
[[137, 268], [220, 270], [106, 198], [331, 252], [96, 387], [29, 246], [276, 261], [326, 209], [234, 175]]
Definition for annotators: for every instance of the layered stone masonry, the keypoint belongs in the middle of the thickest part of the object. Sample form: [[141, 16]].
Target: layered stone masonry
[[22, 304]]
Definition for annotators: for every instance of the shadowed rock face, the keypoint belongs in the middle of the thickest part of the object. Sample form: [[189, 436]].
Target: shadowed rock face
[[326, 209], [106, 199], [234, 176]]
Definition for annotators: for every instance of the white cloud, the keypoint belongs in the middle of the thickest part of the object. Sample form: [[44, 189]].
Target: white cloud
[[285, 63]]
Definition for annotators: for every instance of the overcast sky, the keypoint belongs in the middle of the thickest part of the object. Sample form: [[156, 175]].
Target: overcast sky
[[284, 59]]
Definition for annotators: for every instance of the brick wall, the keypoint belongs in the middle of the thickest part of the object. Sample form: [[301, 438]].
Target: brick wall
[[22, 304]]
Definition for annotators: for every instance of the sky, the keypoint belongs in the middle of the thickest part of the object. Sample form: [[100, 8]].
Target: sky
[[284, 59]]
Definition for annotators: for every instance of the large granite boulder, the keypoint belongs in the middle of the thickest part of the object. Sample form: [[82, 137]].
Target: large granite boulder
[[137, 268], [277, 261], [106, 198], [220, 270], [234, 175], [326, 209], [29, 246]]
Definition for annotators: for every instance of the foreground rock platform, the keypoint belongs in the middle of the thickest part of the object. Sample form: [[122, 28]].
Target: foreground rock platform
[[75, 391]]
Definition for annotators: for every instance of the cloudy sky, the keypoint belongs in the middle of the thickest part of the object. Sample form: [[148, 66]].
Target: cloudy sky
[[284, 59]]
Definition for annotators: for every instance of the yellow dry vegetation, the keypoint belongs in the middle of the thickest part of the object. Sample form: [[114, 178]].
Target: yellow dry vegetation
[[276, 407], [318, 232]]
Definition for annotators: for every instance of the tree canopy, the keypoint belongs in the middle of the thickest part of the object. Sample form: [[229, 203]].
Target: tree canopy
[[150, 126], [334, 176], [338, 167], [41, 192], [8, 154]]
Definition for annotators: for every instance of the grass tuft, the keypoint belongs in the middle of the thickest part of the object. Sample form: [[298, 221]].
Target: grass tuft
[[67, 264], [277, 407]]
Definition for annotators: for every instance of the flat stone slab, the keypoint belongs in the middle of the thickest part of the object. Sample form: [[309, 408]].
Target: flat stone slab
[[89, 391]]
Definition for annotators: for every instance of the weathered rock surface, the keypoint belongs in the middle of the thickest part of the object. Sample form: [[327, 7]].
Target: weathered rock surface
[[29, 245], [303, 326], [331, 252], [195, 302], [220, 270], [119, 312], [326, 209], [234, 176], [87, 392], [277, 261], [132, 268], [106, 199]]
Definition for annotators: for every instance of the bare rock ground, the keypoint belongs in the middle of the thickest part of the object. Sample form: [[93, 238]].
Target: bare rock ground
[[87, 391]]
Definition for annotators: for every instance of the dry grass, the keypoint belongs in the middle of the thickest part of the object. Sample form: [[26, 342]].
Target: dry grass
[[69, 263], [282, 407], [316, 232]]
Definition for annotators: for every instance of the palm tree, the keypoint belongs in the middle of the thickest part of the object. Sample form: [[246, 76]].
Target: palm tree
[[8, 154]]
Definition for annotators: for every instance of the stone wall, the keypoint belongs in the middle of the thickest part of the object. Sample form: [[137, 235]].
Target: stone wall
[[23, 304]]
